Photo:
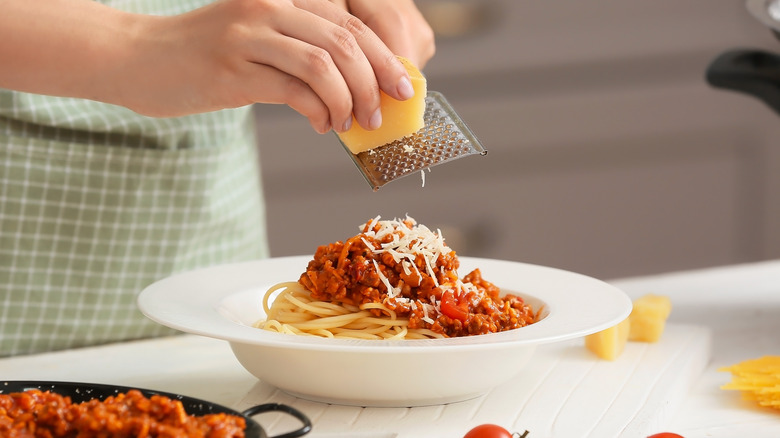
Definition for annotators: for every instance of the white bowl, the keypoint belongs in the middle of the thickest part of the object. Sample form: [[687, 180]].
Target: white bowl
[[224, 301]]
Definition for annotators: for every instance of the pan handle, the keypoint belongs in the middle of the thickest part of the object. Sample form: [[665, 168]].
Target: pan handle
[[754, 72], [269, 407]]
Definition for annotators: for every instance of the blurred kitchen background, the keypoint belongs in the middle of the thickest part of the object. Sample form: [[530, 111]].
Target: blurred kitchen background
[[609, 154]]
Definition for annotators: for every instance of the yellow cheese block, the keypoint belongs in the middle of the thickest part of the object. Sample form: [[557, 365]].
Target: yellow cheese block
[[646, 323], [400, 118], [609, 343], [648, 318]]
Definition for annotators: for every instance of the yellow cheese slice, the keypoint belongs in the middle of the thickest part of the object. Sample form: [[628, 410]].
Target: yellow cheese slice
[[757, 379], [608, 344], [400, 118], [648, 318]]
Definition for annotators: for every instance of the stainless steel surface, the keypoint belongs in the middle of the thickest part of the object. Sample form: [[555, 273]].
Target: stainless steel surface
[[445, 137]]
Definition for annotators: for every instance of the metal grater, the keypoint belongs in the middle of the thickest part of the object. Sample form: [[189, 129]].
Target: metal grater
[[444, 137]]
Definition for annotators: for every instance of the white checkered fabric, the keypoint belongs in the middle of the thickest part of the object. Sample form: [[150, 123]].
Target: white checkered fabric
[[97, 202]]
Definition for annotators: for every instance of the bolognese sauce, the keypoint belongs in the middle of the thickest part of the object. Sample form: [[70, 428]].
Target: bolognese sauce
[[411, 271], [45, 414]]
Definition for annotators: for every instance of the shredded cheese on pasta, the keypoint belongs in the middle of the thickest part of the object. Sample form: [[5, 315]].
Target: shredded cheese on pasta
[[407, 242]]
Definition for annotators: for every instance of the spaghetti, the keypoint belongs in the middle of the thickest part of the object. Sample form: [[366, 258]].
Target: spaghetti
[[295, 312], [394, 280]]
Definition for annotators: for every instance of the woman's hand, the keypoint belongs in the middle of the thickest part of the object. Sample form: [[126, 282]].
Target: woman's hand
[[308, 54], [399, 24]]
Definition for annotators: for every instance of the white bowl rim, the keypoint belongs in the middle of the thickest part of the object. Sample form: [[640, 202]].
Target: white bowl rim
[[195, 302]]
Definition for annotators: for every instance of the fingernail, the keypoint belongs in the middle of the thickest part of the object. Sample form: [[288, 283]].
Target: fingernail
[[405, 89], [376, 119], [347, 125]]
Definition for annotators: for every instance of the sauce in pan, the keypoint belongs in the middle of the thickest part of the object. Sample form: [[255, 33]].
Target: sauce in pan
[[39, 414]]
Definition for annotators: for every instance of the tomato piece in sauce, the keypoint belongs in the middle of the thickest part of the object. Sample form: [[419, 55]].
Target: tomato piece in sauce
[[454, 308]]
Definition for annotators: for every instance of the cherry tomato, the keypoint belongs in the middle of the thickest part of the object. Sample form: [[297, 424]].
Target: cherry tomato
[[665, 435], [488, 431]]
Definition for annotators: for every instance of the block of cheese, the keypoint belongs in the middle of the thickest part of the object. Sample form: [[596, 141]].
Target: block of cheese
[[400, 118], [609, 343], [648, 317]]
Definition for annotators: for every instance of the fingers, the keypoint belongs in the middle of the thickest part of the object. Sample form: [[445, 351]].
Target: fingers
[[270, 85], [313, 67], [400, 25], [338, 57], [331, 61]]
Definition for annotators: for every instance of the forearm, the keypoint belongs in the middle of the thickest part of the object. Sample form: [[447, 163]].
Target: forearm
[[72, 48]]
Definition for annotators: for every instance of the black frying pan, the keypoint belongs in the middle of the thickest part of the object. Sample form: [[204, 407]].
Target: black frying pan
[[81, 392]]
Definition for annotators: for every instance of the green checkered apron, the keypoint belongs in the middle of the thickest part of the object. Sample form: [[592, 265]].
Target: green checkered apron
[[97, 202]]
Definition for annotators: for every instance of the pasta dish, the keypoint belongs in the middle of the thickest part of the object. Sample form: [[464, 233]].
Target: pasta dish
[[396, 279]]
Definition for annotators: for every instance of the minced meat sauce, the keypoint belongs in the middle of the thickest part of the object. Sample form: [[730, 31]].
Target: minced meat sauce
[[410, 270], [45, 414]]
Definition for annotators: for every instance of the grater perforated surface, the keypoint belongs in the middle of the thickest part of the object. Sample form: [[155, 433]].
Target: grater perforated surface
[[445, 137]]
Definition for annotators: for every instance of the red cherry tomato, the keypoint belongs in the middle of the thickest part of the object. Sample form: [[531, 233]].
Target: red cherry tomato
[[488, 431], [665, 435]]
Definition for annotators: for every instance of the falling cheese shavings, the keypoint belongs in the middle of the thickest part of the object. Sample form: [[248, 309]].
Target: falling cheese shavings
[[422, 175]]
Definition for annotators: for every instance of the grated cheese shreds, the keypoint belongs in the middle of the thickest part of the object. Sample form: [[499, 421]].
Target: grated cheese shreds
[[466, 287], [391, 291], [411, 263], [367, 243], [409, 240], [370, 224], [426, 315], [422, 175], [436, 304]]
